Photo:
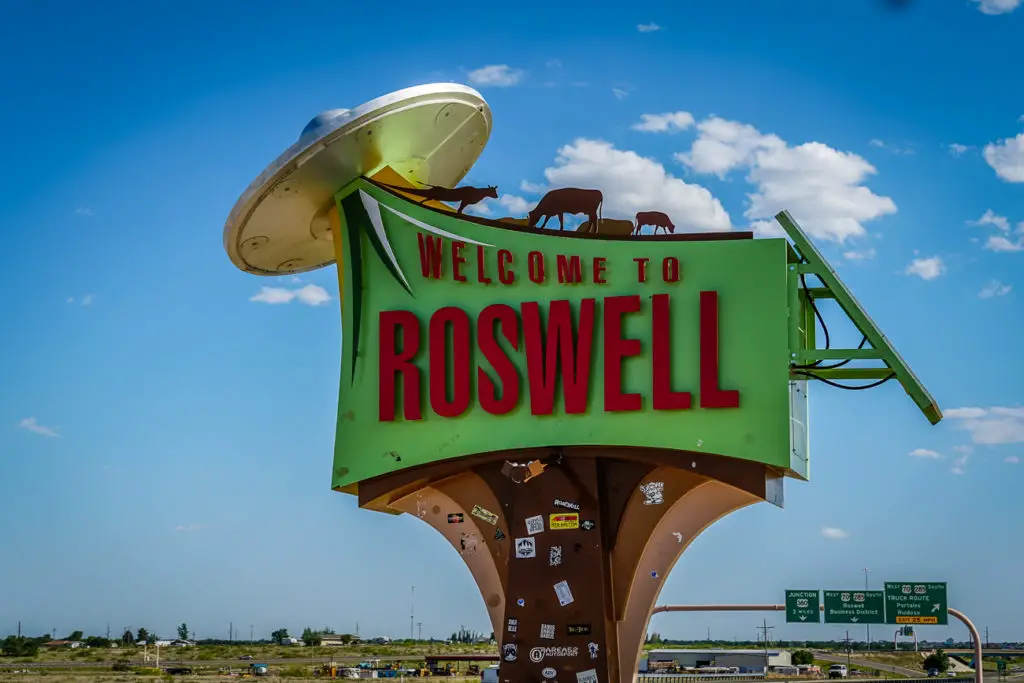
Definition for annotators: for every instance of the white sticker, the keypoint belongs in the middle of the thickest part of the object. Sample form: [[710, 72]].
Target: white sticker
[[555, 556], [563, 593], [535, 524], [654, 492], [538, 654], [679, 536], [588, 676], [510, 652], [547, 631], [520, 602], [526, 547], [548, 672], [513, 625], [593, 647]]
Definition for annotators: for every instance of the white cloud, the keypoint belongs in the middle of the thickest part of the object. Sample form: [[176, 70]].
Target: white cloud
[[620, 94], [821, 186], [991, 218], [83, 211], [960, 464], [956, 149], [924, 453], [506, 203], [991, 426], [32, 425], [633, 183], [496, 75], [1006, 157], [993, 289], [669, 122], [648, 28], [1000, 242], [833, 532], [862, 255], [881, 144], [1012, 459], [926, 268], [532, 188], [311, 295], [188, 528], [70, 300], [87, 300], [997, 6]]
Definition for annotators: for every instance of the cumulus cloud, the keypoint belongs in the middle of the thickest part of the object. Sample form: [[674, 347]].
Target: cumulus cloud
[[532, 188], [822, 187], [861, 255], [633, 183], [924, 453], [669, 122], [649, 28], [996, 6], [926, 268], [990, 426], [33, 425], [505, 204], [311, 295], [1006, 157], [496, 75], [1005, 238], [993, 289], [833, 532]]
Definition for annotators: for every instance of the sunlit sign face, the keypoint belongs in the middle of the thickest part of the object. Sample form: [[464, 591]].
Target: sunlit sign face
[[462, 337]]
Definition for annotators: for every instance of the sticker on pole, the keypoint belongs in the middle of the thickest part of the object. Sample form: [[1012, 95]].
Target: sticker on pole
[[563, 593]]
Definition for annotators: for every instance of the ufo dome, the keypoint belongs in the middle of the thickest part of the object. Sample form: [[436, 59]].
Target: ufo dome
[[322, 120]]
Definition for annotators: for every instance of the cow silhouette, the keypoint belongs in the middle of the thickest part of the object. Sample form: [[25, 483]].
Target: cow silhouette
[[514, 221], [567, 200], [607, 226], [656, 219]]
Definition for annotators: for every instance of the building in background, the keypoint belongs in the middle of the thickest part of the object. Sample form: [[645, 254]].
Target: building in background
[[746, 661]]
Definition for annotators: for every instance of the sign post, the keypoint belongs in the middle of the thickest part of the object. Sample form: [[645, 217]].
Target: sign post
[[803, 607], [854, 607], [916, 603], [564, 406]]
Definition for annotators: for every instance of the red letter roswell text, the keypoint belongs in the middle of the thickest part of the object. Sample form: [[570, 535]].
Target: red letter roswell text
[[508, 321], [393, 361], [710, 395], [548, 353], [616, 349], [663, 396], [439, 322]]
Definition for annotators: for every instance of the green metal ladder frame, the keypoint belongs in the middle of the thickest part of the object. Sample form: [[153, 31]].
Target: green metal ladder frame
[[803, 349]]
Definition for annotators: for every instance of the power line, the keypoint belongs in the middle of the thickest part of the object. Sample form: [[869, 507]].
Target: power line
[[764, 628]]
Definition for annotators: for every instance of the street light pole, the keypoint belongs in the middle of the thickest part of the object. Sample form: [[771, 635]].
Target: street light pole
[[866, 572]]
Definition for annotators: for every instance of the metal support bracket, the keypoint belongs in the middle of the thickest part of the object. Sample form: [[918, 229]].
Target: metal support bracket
[[803, 347]]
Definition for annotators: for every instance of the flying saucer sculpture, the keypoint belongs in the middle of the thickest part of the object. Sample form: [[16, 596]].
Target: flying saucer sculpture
[[568, 408]]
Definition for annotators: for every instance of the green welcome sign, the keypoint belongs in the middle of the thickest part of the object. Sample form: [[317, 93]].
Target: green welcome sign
[[466, 336]]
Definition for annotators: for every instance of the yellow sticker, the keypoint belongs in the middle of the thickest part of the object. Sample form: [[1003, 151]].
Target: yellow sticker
[[564, 520]]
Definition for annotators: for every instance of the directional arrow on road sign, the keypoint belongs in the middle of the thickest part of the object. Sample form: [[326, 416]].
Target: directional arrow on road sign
[[853, 619], [935, 607]]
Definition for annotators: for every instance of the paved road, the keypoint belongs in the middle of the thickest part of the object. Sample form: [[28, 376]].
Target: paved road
[[867, 663]]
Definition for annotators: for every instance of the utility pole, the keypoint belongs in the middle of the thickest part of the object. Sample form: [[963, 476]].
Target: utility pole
[[412, 612], [847, 641], [231, 632], [19, 630], [866, 572], [988, 643], [764, 628], [108, 630], [419, 625], [250, 635]]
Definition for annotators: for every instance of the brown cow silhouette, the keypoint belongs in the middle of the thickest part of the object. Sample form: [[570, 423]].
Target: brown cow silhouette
[[607, 226], [655, 218], [465, 196], [565, 200]]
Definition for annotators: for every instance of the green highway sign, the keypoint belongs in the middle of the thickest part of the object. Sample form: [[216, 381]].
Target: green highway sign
[[802, 607], [854, 607], [916, 603]]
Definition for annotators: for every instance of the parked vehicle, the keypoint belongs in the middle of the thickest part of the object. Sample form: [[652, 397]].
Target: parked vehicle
[[837, 671]]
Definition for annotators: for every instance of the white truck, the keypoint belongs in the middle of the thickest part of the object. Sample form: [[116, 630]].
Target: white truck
[[837, 671]]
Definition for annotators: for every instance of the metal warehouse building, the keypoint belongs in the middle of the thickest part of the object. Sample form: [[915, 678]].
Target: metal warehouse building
[[748, 661]]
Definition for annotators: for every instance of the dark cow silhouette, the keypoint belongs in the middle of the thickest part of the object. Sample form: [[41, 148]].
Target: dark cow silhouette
[[607, 226], [464, 196], [569, 200], [655, 218]]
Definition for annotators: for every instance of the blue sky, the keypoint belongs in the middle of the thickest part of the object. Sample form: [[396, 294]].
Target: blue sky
[[166, 441]]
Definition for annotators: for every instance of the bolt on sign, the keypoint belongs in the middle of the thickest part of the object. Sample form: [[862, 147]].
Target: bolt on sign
[[854, 607], [803, 607], [916, 603]]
